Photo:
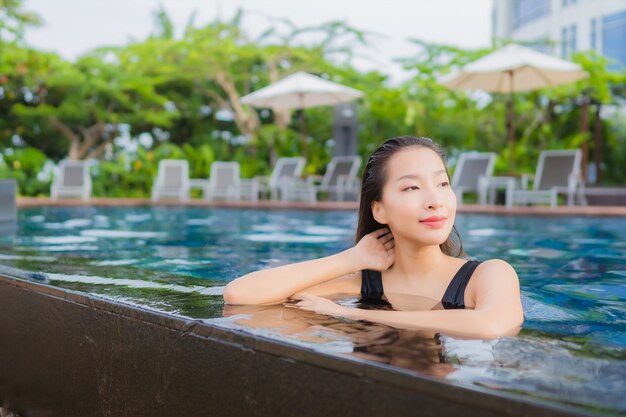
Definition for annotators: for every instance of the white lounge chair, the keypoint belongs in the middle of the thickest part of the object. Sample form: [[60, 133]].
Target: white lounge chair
[[172, 180], [557, 172], [470, 167], [72, 180], [286, 170], [224, 181], [8, 192], [340, 179], [8, 209]]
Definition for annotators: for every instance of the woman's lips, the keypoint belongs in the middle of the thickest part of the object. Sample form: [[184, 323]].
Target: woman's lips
[[435, 221]]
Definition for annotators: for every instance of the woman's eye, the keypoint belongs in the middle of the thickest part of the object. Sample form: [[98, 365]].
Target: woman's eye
[[445, 184], [412, 187]]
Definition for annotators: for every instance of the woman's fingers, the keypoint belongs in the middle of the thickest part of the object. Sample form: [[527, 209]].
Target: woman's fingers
[[301, 295], [290, 306], [386, 238], [389, 245], [378, 233], [305, 299]]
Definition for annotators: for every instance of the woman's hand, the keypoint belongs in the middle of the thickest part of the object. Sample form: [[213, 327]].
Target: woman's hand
[[376, 250], [318, 305]]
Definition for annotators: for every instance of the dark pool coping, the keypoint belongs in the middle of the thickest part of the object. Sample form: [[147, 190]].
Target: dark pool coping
[[367, 381], [23, 202]]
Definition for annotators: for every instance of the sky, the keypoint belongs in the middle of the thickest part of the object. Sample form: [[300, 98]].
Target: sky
[[72, 27]]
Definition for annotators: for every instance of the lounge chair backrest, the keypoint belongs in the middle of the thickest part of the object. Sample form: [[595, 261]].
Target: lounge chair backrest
[[73, 173], [341, 166], [73, 176], [555, 167], [224, 175], [172, 177], [8, 190], [470, 166], [173, 173], [288, 168]]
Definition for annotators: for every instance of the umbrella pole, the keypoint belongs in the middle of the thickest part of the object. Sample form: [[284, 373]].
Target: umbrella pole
[[511, 132], [597, 152], [510, 115], [584, 128], [303, 144]]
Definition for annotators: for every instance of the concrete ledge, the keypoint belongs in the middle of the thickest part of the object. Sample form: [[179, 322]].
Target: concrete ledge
[[64, 353]]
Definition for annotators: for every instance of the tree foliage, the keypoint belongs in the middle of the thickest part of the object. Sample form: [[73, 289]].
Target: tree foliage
[[14, 20], [170, 96]]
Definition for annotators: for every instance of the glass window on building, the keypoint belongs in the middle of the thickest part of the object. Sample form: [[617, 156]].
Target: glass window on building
[[594, 36], [525, 11], [564, 43], [614, 39], [542, 46], [572, 41], [565, 3]]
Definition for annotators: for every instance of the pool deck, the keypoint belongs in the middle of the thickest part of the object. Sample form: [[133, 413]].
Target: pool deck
[[322, 205]]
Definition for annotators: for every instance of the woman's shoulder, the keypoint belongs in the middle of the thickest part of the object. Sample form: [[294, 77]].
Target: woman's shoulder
[[495, 266], [494, 274], [493, 277]]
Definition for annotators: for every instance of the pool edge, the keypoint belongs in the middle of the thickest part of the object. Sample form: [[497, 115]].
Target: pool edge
[[97, 351], [24, 202]]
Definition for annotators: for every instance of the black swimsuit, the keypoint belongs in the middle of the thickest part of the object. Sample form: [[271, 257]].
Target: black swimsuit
[[454, 297]]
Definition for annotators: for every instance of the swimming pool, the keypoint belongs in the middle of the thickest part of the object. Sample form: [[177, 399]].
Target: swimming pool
[[572, 348]]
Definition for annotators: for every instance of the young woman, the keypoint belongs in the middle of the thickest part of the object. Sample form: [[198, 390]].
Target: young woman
[[405, 257]]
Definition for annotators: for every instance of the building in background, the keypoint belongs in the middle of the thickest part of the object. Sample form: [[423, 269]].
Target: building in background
[[570, 25]]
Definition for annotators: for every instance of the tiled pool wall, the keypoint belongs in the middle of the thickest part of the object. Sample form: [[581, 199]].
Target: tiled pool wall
[[64, 353]]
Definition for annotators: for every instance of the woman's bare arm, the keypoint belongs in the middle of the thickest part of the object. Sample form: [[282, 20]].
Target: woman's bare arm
[[275, 285], [498, 310]]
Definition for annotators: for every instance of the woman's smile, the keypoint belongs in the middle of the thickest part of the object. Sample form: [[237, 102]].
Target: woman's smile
[[434, 222]]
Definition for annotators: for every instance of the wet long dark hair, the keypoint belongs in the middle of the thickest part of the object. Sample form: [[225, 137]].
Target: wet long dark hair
[[374, 178]]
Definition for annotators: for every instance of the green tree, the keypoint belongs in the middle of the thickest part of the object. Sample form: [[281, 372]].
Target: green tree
[[13, 20], [26, 165], [453, 118], [23, 72], [88, 101]]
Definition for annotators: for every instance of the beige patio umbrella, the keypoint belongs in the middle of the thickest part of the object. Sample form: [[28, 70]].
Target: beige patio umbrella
[[299, 91], [510, 69]]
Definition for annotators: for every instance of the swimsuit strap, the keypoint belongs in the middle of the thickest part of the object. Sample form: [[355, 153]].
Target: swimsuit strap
[[454, 297]]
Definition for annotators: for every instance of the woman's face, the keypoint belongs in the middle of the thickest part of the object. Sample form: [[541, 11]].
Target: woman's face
[[417, 201]]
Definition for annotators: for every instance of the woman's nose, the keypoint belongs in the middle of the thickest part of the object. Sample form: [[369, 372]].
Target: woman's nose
[[433, 201], [434, 205]]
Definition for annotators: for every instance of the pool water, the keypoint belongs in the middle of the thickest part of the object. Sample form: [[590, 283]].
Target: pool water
[[571, 349]]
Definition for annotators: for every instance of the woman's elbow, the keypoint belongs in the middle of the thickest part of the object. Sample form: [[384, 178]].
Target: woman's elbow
[[242, 291], [232, 295], [500, 328], [239, 293]]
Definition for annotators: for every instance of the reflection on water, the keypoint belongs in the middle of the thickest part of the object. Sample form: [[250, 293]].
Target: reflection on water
[[413, 350], [572, 348], [553, 370]]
